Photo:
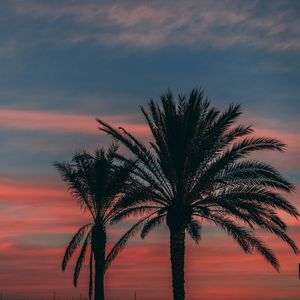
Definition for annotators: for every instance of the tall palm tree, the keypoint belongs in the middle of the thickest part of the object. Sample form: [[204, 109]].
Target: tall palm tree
[[195, 170], [97, 182]]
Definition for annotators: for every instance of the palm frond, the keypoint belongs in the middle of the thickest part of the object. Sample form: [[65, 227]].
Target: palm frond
[[120, 245], [78, 189], [152, 223], [254, 173], [132, 211], [272, 227], [266, 252], [194, 230], [141, 178], [234, 133], [226, 119], [239, 150], [254, 195], [74, 243], [139, 150], [80, 259], [246, 239]]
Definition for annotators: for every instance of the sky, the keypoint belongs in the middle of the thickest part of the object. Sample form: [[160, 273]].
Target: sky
[[64, 63]]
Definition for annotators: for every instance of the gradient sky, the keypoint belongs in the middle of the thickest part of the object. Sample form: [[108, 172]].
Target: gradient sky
[[63, 63]]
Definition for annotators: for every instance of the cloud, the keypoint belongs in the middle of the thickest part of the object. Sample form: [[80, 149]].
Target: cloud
[[70, 124], [289, 160], [213, 269], [33, 190], [32, 207], [55, 122], [39, 217], [286, 132], [272, 26]]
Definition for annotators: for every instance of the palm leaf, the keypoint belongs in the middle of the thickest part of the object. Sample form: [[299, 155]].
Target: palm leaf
[[194, 230], [151, 224], [74, 243], [81, 259], [245, 239], [120, 245]]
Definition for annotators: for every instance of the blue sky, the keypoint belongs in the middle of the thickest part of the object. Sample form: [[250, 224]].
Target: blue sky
[[101, 58]]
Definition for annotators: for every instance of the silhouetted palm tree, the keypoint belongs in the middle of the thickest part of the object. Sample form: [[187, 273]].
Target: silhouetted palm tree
[[97, 182], [195, 170]]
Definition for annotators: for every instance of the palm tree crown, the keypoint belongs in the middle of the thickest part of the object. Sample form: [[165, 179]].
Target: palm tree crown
[[97, 182], [195, 170]]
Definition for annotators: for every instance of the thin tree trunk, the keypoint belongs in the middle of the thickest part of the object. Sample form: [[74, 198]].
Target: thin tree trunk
[[98, 247], [177, 252]]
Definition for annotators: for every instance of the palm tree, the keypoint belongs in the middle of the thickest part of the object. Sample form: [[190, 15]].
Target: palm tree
[[97, 182], [195, 170]]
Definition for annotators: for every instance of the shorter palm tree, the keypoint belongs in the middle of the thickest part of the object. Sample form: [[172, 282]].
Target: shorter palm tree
[[97, 182]]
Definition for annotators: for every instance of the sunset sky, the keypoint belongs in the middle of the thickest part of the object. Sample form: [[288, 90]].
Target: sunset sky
[[64, 63]]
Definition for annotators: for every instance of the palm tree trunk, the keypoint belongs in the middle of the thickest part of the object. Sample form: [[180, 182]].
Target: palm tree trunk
[[177, 251], [98, 247]]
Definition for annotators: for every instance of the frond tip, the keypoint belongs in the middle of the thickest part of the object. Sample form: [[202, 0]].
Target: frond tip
[[119, 246], [246, 239], [81, 259], [194, 230], [151, 224], [74, 243]]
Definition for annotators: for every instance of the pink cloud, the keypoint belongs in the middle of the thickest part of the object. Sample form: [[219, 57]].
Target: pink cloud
[[292, 140], [289, 160], [84, 124], [30, 192], [146, 268], [216, 268], [64, 123], [286, 133]]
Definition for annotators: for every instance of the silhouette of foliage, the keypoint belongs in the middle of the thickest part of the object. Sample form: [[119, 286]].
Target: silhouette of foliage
[[196, 169], [97, 182]]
